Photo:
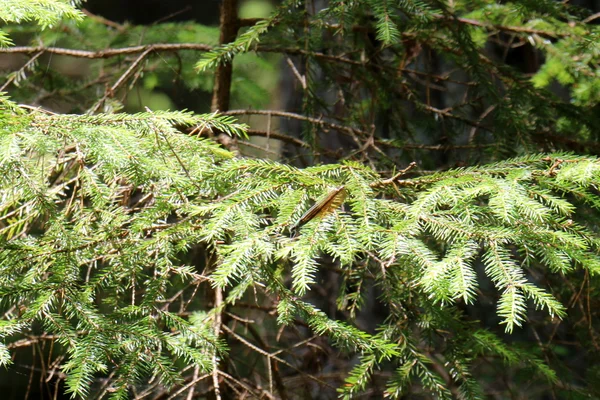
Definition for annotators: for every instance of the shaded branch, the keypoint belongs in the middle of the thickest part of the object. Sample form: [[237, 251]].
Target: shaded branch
[[351, 131], [110, 92]]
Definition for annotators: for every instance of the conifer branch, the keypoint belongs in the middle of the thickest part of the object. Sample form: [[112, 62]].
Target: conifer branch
[[107, 53], [116, 230]]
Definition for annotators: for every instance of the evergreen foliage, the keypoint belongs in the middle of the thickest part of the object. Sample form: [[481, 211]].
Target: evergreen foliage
[[46, 13], [116, 227]]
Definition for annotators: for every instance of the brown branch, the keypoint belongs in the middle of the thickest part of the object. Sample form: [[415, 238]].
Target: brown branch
[[261, 149], [301, 78], [21, 70], [101, 54], [31, 340], [104, 21], [246, 386], [591, 18], [217, 325], [316, 54], [274, 366], [290, 115], [190, 385], [278, 136], [351, 131], [448, 114], [395, 177], [110, 92], [275, 357], [242, 22], [108, 53]]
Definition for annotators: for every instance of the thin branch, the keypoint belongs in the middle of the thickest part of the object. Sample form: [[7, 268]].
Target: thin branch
[[395, 177], [290, 115], [278, 136], [190, 385], [274, 356], [473, 22], [120, 81], [274, 366], [591, 18], [351, 131], [245, 385], [301, 78], [120, 28], [21, 70], [108, 53], [504, 28], [243, 22], [217, 332], [31, 341]]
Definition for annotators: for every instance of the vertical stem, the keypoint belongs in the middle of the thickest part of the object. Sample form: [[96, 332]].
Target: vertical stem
[[217, 329], [229, 24]]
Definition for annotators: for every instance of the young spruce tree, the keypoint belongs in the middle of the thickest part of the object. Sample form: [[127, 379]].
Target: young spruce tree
[[449, 150]]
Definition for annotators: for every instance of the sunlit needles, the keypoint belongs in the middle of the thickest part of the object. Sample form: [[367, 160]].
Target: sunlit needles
[[323, 207]]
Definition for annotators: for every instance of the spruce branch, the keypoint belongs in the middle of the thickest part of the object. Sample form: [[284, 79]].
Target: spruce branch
[[107, 53]]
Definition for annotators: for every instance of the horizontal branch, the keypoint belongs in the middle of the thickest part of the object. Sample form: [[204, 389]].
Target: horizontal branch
[[278, 136], [345, 130], [108, 53], [395, 177], [473, 22], [290, 115], [29, 50], [504, 28]]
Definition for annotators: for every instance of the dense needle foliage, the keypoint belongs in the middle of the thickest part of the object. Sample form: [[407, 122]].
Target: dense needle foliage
[[151, 256]]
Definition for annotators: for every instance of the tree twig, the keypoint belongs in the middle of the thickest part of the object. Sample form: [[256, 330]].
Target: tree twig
[[120, 81], [120, 28], [395, 177], [108, 53], [348, 131], [217, 332], [21, 70]]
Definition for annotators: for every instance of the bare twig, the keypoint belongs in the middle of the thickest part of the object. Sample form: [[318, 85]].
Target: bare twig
[[278, 136], [217, 331], [352, 132], [504, 28], [273, 365], [23, 68], [120, 81], [108, 53], [242, 22], [395, 177], [274, 356], [31, 341], [104, 21], [190, 385], [591, 18], [301, 78], [246, 386], [290, 115]]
